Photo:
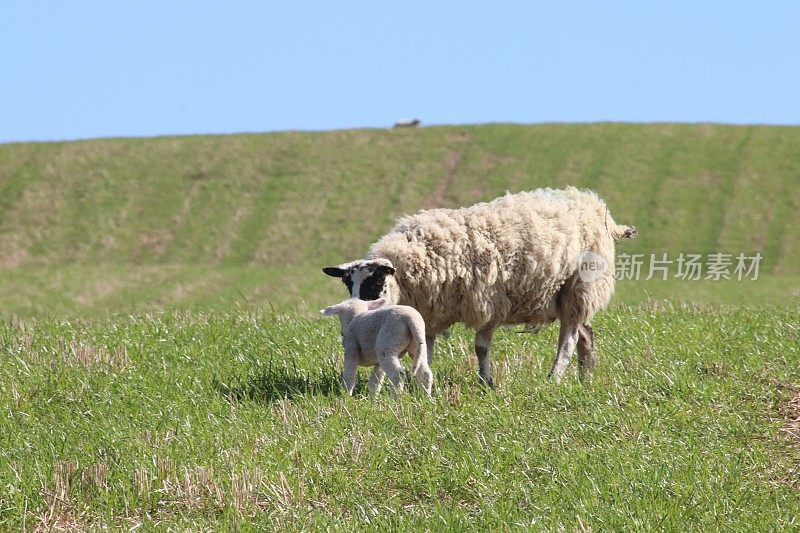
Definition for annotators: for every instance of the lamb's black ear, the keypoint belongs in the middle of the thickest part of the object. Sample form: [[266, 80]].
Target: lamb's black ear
[[386, 269], [336, 272]]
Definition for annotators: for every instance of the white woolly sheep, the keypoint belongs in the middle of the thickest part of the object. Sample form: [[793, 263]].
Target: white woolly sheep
[[377, 336], [527, 258]]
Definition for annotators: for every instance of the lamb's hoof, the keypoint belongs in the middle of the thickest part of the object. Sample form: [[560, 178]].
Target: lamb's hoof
[[487, 382]]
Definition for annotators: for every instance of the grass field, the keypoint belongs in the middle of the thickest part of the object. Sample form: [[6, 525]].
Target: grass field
[[235, 420], [163, 366]]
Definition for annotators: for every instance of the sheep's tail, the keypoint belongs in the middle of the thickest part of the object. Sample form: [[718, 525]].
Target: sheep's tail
[[623, 232]]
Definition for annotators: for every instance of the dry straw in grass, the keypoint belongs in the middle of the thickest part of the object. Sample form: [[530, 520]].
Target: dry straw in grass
[[791, 415], [245, 489], [61, 513], [452, 394], [74, 353], [92, 356], [64, 473], [200, 487]]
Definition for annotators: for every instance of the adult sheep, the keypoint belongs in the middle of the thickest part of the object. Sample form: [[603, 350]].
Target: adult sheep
[[527, 258]]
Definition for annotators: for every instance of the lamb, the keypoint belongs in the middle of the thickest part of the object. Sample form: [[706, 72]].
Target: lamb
[[527, 258], [377, 336]]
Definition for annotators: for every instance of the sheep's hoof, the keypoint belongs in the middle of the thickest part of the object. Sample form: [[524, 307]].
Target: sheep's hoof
[[486, 382]]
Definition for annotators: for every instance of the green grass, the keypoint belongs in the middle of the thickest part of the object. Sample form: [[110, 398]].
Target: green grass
[[235, 420], [209, 221]]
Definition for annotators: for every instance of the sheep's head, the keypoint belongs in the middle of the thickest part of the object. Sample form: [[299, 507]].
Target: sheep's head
[[348, 309], [368, 279]]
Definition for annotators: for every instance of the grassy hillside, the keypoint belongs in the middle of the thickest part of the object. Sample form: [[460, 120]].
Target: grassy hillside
[[229, 416], [210, 220]]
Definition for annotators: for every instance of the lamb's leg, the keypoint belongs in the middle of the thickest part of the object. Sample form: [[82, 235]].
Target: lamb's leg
[[424, 378], [420, 369], [483, 344], [587, 356], [567, 338], [350, 371], [376, 380], [390, 363]]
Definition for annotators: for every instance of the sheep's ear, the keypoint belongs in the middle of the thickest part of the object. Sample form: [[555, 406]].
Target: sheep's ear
[[383, 265], [336, 272], [330, 311], [376, 304], [386, 269]]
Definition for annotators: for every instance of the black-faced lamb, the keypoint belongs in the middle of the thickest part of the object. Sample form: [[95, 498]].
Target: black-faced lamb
[[527, 258], [377, 336]]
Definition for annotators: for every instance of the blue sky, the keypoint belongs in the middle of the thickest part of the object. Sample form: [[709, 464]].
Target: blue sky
[[81, 69]]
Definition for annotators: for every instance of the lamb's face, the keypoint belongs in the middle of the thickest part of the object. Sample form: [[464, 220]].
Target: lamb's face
[[368, 279], [348, 309]]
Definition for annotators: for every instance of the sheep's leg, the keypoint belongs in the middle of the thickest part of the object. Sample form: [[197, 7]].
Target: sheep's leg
[[567, 339], [483, 344], [376, 380], [587, 356], [429, 342], [350, 371], [390, 363]]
